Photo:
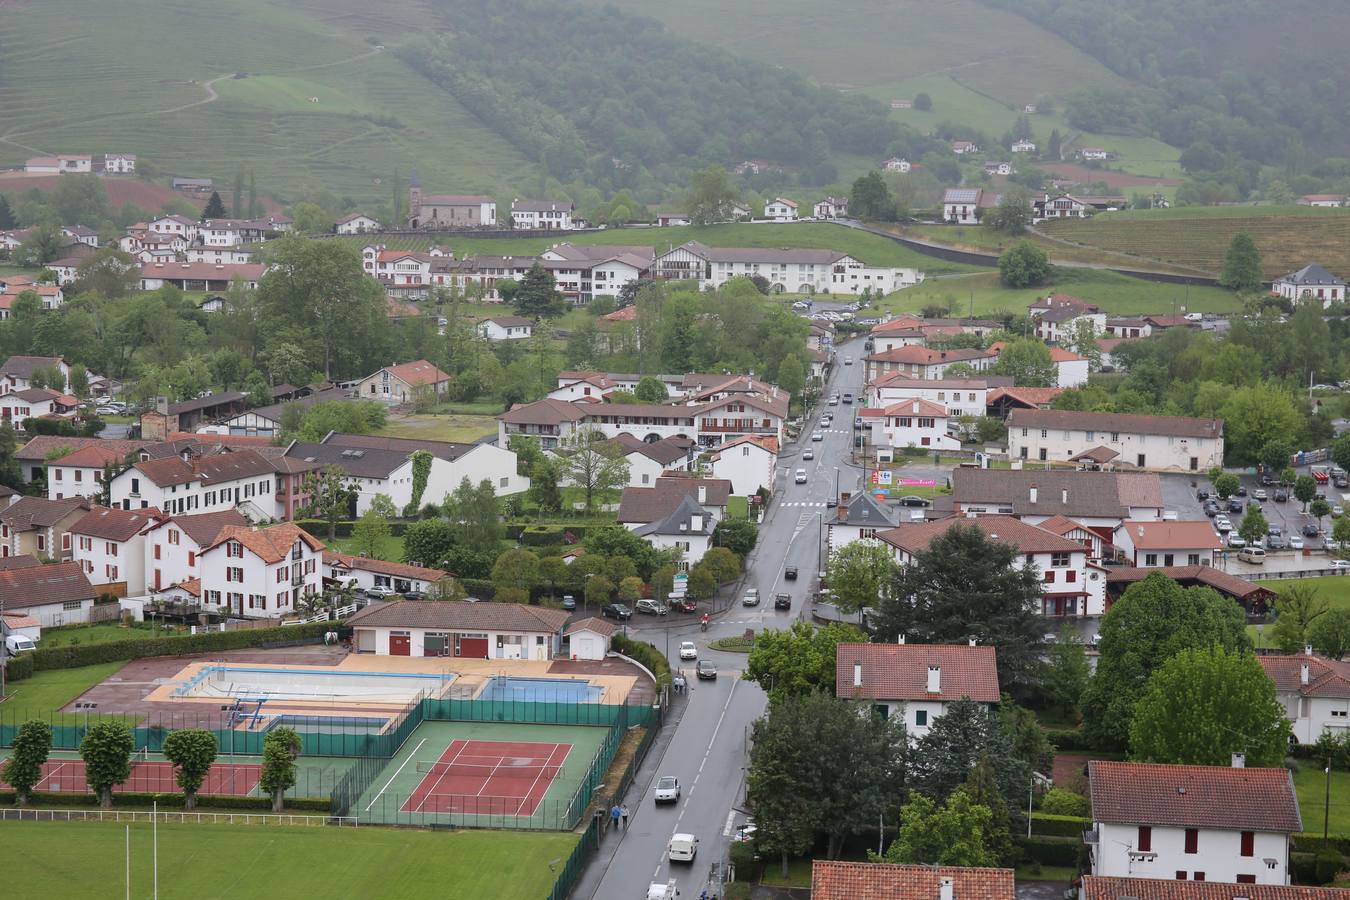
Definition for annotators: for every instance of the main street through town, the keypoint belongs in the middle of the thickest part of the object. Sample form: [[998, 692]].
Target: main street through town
[[705, 743]]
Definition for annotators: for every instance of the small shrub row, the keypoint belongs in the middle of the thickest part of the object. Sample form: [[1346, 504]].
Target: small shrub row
[[1074, 740], [1051, 825], [76, 655], [19, 667], [205, 802], [319, 528], [1316, 868], [1307, 841], [1051, 851], [647, 654]]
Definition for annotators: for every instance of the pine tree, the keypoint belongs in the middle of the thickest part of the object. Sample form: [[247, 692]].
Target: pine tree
[[252, 197], [238, 195], [7, 219], [215, 207], [982, 786]]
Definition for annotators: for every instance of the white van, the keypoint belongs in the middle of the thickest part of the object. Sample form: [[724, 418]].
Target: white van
[[658, 891], [18, 643], [682, 848], [1252, 555]]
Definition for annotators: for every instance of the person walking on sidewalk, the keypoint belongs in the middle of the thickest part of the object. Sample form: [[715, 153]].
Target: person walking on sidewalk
[[624, 810], [614, 814]]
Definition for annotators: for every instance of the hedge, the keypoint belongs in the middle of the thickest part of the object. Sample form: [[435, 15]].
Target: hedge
[[1050, 851], [19, 667], [1047, 824], [319, 528], [1310, 842], [646, 654], [74, 656], [205, 802], [1074, 740]]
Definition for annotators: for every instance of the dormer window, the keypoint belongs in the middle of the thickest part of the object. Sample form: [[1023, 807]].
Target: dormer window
[[234, 549]]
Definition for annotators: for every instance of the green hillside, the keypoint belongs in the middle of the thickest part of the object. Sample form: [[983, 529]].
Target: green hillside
[[78, 76]]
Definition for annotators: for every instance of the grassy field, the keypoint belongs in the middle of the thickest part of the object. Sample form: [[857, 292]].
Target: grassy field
[[96, 634], [1288, 237], [430, 427], [872, 249], [1311, 785], [391, 549], [89, 87], [247, 861], [1115, 293], [55, 688]]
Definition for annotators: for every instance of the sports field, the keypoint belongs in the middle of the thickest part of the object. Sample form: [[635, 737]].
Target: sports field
[[86, 860], [230, 776], [484, 774]]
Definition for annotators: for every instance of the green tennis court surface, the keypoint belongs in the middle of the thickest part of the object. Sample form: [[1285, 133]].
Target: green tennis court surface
[[484, 775]]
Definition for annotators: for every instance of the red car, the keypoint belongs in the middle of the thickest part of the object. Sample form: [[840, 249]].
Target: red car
[[687, 605]]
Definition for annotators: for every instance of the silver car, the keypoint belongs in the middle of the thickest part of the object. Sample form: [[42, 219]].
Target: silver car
[[668, 789]]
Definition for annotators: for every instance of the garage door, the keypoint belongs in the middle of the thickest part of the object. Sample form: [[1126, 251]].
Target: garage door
[[473, 648], [400, 644]]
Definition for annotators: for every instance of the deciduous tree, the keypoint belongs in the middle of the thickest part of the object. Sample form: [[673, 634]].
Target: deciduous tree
[[799, 659], [517, 569], [1226, 485], [711, 196], [1253, 526], [871, 198], [331, 496], [192, 751], [953, 834], [32, 745], [106, 751], [1296, 608], [592, 464], [1023, 265], [1067, 671], [544, 491], [737, 535], [474, 514], [1330, 634], [1029, 363], [280, 749], [861, 575], [370, 534], [1241, 264], [1205, 703]]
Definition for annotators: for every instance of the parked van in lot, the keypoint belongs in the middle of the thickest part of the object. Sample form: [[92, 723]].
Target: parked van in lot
[[1252, 555]]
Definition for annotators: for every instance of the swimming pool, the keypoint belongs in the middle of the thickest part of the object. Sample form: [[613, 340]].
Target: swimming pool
[[540, 690], [254, 683]]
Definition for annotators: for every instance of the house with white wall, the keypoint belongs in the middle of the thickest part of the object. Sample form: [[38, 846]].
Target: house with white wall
[[803, 271], [748, 462], [356, 223], [36, 526], [176, 226], [1314, 691], [648, 461], [780, 209], [17, 407], [840, 880], [56, 594], [505, 328], [589, 638], [909, 423], [542, 215], [17, 372], [1070, 585], [216, 482], [924, 362], [967, 206], [368, 574], [1310, 283], [1150, 545], [959, 396], [174, 545], [830, 208], [1192, 823], [1144, 442], [219, 256], [688, 529], [1060, 323], [459, 629], [858, 517], [896, 164], [80, 473], [916, 682], [260, 573], [110, 544], [404, 383]]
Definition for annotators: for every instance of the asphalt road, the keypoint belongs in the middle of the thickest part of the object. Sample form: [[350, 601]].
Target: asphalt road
[[707, 749]]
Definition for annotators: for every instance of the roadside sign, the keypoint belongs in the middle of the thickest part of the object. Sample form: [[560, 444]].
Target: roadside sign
[[918, 482], [882, 476]]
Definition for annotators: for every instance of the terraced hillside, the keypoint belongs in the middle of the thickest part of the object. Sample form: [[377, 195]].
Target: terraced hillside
[[1288, 237], [154, 77]]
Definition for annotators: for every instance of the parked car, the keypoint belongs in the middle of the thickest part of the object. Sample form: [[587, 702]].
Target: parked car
[[667, 789], [1223, 526], [1311, 530], [688, 650], [831, 503], [1254, 555], [706, 671], [569, 602], [782, 601], [1210, 509], [790, 573], [616, 611], [686, 605], [1202, 494], [808, 453], [1259, 494], [1281, 497], [1242, 490], [1341, 564], [1337, 511], [1235, 542], [751, 597], [1295, 542], [1235, 505], [651, 608]]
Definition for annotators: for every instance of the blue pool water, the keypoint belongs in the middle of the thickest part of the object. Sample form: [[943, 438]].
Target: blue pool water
[[260, 683], [540, 690]]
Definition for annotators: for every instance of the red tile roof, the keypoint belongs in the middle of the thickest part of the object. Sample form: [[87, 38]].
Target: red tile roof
[[900, 672], [417, 373], [1128, 423], [591, 623], [916, 407], [1326, 677], [1194, 796], [1004, 529], [1099, 887], [835, 880], [44, 585], [383, 567], [204, 527], [269, 544], [925, 356], [115, 524], [1171, 535], [439, 614], [93, 456]]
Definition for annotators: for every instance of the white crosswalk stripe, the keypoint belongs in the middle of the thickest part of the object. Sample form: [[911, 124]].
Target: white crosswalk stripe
[[815, 504]]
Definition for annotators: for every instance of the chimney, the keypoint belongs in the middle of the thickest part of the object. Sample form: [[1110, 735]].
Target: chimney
[[1032, 494], [971, 642], [900, 639], [857, 674], [935, 679], [1304, 674], [1307, 650], [1064, 496], [844, 498], [1239, 760], [945, 890], [702, 495]]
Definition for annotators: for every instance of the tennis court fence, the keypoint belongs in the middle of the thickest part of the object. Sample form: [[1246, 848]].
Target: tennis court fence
[[169, 817]]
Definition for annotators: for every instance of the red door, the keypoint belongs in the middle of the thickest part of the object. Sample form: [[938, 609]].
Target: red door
[[473, 648], [400, 645]]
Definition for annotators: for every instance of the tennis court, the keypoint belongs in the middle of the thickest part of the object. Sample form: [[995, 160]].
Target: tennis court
[[484, 774]]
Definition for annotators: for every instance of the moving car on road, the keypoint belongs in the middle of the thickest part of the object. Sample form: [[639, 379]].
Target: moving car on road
[[800, 477], [790, 573], [816, 437], [706, 671], [667, 789], [616, 611], [782, 601], [751, 597], [808, 453], [682, 848], [688, 650]]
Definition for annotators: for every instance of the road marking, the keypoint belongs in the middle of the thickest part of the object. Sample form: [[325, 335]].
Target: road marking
[[400, 769], [706, 753], [731, 823]]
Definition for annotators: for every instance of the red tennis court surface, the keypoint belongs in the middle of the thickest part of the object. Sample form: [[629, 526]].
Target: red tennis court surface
[[504, 778], [151, 776]]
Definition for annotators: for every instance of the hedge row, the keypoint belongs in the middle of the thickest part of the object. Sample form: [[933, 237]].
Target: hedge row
[[1315, 868], [1047, 824], [1074, 740], [319, 528], [19, 667], [1311, 842], [647, 654], [74, 656], [1050, 851], [207, 803]]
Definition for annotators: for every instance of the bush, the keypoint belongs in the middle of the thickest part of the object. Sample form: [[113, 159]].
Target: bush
[[1075, 740], [742, 856], [206, 803], [481, 588], [74, 656], [1060, 802], [1050, 851], [1326, 864], [646, 654], [19, 667], [1051, 825], [512, 595]]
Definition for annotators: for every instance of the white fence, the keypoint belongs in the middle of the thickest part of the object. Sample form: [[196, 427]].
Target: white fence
[[11, 814], [338, 613]]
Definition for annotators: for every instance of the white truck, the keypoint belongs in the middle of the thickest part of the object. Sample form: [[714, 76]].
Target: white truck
[[18, 643], [662, 891]]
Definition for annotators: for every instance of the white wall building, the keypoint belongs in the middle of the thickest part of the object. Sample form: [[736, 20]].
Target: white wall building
[[506, 328], [909, 423], [455, 629], [56, 594], [110, 544], [1192, 823], [794, 271], [1314, 691], [260, 573], [1308, 284], [748, 462], [368, 574], [174, 545], [1150, 545], [780, 210], [239, 479], [1145, 442], [916, 682], [357, 223], [542, 215], [858, 517], [960, 396]]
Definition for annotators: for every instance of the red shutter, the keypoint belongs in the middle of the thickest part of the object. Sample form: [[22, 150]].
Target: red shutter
[[1145, 838], [1248, 843], [1192, 840]]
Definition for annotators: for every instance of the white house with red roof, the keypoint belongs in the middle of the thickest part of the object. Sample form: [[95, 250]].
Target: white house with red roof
[[199, 276], [1149, 545], [17, 407], [1144, 442], [916, 682], [960, 396], [260, 573], [909, 423], [357, 223], [369, 574], [839, 880], [748, 462], [1314, 691], [506, 328], [404, 383], [1192, 823], [80, 473], [173, 546], [925, 362], [1071, 585], [780, 209], [175, 225], [110, 545]]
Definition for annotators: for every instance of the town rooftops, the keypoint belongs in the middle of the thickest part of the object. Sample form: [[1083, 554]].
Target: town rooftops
[[1171, 535], [1240, 799], [927, 356], [1063, 301], [224, 398], [905, 672], [838, 880], [446, 450], [270, 544], [1029, 396], [543, 412], [1098, 455], [203, 271], [541, 206], [688, 517], [24, 588], [664, 451], [212, 469], [762, 255], [358, 462], [1030, 492], [115, 524], [455, 199], [92, 456], [865, 511], [418, 372], [1026, 538], [1116, 423], [1207, 576], [50, 447], [962, 195], [203, 528], [1101, 887], [510, 321], [38, 512], [1326, 677], [1312, 276], [456, 615], [591, 623], [383, 567], [24, 366], [652, 504], [901, 380]]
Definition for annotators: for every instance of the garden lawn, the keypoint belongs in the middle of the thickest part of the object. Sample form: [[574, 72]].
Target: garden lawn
[[738, 507], [98, 634], [1311, 785], [54, 688], [391, 549], [1335, 588], [254, 861], [459, 429]]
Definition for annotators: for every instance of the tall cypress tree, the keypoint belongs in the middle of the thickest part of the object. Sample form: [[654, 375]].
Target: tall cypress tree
[[235, 209], [7, 219], [215, 207]]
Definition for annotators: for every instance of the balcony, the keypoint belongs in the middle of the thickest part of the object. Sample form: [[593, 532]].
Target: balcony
[[738, 428], [298, 580]]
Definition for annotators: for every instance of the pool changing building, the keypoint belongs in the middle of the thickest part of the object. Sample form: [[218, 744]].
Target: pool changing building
[[459, 629]]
